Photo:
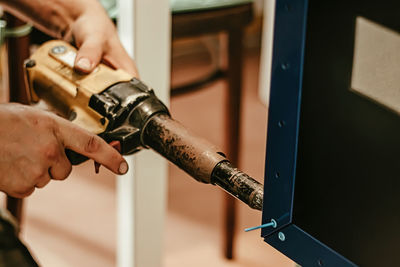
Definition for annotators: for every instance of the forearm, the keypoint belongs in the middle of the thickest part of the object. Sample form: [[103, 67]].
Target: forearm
[[53, 17]]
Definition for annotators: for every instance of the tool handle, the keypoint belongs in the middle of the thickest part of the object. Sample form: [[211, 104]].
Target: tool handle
[[74, 157]]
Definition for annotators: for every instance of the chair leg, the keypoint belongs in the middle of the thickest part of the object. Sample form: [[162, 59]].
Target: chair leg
[[17, 52], [235, 51]]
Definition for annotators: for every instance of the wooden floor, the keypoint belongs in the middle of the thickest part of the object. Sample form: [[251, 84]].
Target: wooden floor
[[72, 223]]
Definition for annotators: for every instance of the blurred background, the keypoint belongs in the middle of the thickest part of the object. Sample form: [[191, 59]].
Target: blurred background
[[73, 223]]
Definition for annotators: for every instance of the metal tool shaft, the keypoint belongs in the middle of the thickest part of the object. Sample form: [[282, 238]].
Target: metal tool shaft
[[238, 184], [200, 159]]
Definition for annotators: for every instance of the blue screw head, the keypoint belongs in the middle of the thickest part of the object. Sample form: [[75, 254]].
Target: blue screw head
[[285, 66]]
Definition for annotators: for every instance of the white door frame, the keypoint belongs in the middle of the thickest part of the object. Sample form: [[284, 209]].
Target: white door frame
[[144, 29]]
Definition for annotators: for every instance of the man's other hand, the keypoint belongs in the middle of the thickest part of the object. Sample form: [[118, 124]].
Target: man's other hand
[[33, 144], [97, 40]]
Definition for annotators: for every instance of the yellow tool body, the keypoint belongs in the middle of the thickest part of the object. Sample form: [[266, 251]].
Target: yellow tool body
[[51, 77]]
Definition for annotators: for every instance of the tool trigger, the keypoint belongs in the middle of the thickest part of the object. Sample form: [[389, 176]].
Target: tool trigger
[[97, 167], [116, 145]]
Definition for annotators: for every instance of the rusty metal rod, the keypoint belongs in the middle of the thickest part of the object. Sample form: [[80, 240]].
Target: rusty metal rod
[[200, 159], [238, 184]]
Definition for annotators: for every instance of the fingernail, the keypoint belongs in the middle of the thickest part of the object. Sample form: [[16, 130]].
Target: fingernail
[[83, 64], [123, 168]]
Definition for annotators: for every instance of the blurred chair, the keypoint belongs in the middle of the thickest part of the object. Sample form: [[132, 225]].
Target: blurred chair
[[193, 18]]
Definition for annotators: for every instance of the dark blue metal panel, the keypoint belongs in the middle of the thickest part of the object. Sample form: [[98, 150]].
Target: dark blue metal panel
[[284, 112], [348, 147], [283, 130], [304, 249]]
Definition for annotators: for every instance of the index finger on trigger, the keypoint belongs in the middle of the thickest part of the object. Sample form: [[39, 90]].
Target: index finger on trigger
[[91, 146]]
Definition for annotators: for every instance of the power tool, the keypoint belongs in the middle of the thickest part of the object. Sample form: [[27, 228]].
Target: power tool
[[123, 110]]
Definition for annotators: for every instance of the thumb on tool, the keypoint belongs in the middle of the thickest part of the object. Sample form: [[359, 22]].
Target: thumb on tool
[[88, 56]]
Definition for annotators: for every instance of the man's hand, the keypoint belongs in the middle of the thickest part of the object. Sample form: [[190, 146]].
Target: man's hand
[[32, 149], [97, 40], [84, 22], [33, 142]]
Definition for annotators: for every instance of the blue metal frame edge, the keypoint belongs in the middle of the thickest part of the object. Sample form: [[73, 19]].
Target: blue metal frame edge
[[282, 142], [284, 112], [305, 249]]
